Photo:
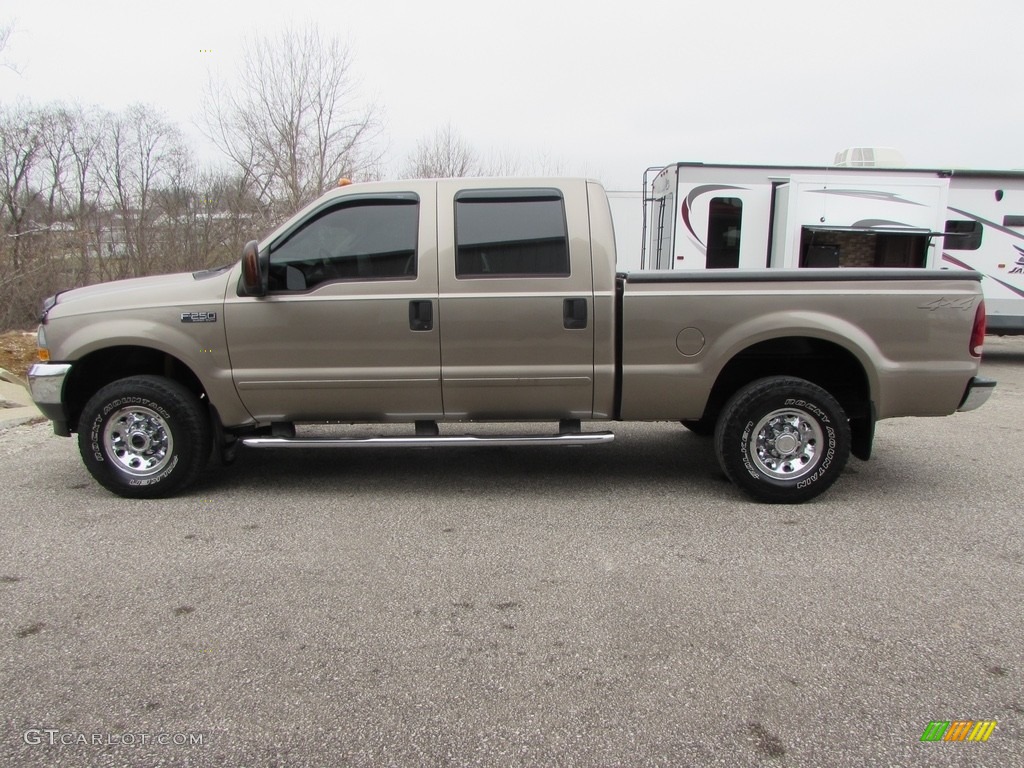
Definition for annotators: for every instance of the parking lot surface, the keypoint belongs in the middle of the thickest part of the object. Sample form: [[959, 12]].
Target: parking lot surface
[[621, 605]]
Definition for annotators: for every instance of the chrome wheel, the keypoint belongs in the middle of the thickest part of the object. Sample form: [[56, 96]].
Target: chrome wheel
[[782, 439], [786, 443], [138, 440]]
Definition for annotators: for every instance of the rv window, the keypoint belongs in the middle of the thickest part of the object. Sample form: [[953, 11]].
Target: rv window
[[724, 226], [962, 235], [1013, 221]]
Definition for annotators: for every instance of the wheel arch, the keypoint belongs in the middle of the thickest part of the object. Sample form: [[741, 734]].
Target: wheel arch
[[103, 366], [824, 362]]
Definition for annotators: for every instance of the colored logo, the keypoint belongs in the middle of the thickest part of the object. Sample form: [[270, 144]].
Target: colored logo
[[958, 730]]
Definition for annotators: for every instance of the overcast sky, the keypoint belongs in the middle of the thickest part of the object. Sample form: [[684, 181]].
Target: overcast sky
[[602, 89]]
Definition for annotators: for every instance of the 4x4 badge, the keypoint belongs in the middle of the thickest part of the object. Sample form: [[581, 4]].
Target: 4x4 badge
[[965, 304]]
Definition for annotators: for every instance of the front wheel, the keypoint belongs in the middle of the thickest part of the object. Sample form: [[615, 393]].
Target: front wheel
[[144, 437], [782, 439]]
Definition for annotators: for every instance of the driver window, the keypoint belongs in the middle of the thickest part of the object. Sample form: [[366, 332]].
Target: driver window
[[358, 240]]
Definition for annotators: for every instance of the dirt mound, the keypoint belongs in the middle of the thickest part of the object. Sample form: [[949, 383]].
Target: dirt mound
[[18, 351]]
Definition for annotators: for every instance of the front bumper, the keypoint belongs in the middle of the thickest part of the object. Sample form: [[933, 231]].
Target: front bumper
[[977, 393], [46, 384]]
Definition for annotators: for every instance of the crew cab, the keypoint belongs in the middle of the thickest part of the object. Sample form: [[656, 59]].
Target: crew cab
[[441, 302]]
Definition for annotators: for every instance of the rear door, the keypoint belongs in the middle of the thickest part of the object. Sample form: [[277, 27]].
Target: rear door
[[516, 301]]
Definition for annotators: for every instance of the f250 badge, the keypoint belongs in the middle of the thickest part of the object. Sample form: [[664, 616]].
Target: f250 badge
[[199, 317]]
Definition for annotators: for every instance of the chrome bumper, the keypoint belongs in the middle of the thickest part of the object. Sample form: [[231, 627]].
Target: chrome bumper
[[46, 385], [977, 393]]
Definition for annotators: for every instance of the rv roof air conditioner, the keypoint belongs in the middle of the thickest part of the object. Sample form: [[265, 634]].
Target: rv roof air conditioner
[[870, 157]]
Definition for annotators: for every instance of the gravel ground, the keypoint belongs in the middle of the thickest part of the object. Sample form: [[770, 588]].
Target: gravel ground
[[621, 605]]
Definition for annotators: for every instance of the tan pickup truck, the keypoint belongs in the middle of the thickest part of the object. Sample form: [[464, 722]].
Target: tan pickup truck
[[426, 302]]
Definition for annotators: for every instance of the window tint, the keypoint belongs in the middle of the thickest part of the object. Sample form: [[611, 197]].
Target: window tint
[[962, 235], [360, 240], [725, 221], [511, 234]]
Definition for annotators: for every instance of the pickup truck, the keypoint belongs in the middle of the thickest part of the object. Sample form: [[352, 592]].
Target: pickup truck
[[471, 300]]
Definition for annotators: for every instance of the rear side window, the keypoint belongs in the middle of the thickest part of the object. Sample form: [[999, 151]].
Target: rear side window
[[511, 233]]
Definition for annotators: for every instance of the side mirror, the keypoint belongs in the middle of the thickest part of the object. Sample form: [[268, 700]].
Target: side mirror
[[255, 270]]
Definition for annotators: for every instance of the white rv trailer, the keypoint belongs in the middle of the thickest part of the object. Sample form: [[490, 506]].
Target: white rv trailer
[[700, 216]]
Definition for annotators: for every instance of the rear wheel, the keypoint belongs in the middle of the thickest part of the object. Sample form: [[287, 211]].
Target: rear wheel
[[782, 439], [144, 437]]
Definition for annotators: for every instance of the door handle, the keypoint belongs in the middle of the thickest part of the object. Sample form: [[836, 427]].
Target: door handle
[[421, 315], [574, 314]]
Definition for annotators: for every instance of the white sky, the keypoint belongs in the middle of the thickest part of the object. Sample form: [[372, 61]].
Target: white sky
[[602, 89]]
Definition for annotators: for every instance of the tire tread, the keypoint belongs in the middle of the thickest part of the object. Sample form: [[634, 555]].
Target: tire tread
[[189, 423], [737, 411]]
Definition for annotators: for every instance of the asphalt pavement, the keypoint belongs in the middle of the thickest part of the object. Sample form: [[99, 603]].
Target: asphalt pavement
[[616, 606]]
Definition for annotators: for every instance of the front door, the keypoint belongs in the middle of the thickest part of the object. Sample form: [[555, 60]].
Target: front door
[[348, 329]]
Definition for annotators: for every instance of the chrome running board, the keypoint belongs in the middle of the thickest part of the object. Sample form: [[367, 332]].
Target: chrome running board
[[414, 441]]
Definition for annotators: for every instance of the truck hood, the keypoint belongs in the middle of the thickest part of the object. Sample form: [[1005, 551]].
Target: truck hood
[[178, 290]]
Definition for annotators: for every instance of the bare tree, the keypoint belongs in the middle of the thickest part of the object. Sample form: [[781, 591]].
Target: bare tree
[[237, 213], [82, 190], [55, 129], [445, 154], [20, 145], [293, 124], [28, 208], [195, 227], [141, 152], [87, 195], [511, 163], [6, 30]]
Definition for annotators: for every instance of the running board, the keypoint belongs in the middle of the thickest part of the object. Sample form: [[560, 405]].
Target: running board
[[412, 441]]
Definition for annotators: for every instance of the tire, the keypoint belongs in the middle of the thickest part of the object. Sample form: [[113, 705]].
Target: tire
[[811, 425], [144, 437]]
